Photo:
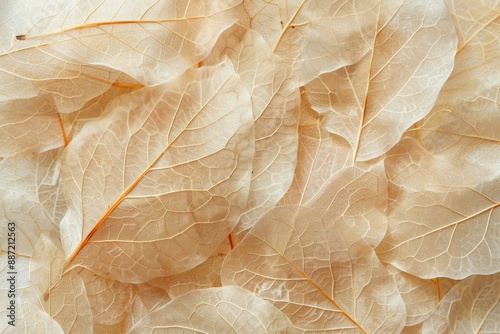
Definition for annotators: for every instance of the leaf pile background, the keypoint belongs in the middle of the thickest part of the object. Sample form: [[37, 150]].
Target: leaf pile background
[[251, 166]]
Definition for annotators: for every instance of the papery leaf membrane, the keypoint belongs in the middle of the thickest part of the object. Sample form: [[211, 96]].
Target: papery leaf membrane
[[172, 183], [216, 310], [317, 272], [372, 102]]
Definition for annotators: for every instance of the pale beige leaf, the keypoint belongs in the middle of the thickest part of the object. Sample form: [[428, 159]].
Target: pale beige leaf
[[443, 222], [28, 219], [321, 155], [372, 102], [275, 104], [63, 297], [29, 125], [146, 299], [317, 272], [108, 298], [316, 36], [420, 296], [325, 178], [32, 319], [463, 124], [79, 52], [472, 306], [216, 310], [204, 275], [35, 180], [165, 171]]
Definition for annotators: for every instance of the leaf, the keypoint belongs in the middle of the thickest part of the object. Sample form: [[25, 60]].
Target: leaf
[[204, 275], [371, 103], [78, 53], [216, 310], [463, 240], [275, 104], [34, 320], [173, 183], [316, 36], [420, 296], [472, 306], [324, 178], [63, 297], [316, 272], [463, 124]]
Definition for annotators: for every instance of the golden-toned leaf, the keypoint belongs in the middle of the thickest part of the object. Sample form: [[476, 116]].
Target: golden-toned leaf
[[317, 272], [77, 52], [275, 104], [173, 182], [472, 306], [443, 221], [371, 103], [463, 124], [63, 297], [216, 310]]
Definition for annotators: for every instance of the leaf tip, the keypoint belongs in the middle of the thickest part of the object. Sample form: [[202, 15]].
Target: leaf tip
[[20, 37]]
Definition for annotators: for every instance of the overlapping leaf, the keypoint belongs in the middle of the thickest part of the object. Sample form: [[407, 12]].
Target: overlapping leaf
[[226, 309], [372, 102], [316, 36], [443, 220], [472, 306], [275, 104], [173, 182], [463, 124], [77, 51], [317, 272]]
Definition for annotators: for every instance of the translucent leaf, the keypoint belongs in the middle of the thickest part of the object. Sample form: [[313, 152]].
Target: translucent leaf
[[441, 222], [463, 124], [204, 275], [324, 179], [317, 272], [275, 104], [216, 310], [78, 49], [372, 102], [317, 36], [173, 182], [472, 306], [63, 297], [421, 296]]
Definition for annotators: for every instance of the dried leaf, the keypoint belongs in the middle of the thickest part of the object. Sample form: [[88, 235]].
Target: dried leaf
[[172, 184], [216, 310], [317, 272], [472, 306]]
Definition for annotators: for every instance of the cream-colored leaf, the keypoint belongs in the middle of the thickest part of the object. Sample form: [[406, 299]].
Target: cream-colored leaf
[[35, 180], [63, 297], [317, 36], [463, 124], [443, 222], [372, 102], [420, 296], [78, 51], [204, 275], [216, 310], [165, 171], [324, 178], [275, 104], [317, 272], [108, 298], [472, 306], [321, 155], [33, 320], [30, 125]]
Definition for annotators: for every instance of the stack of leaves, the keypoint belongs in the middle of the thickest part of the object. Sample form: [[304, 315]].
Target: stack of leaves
[[251, 166]]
